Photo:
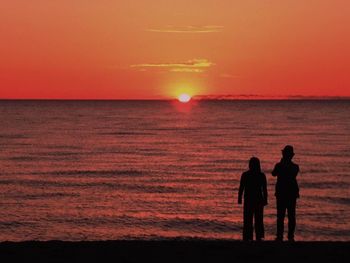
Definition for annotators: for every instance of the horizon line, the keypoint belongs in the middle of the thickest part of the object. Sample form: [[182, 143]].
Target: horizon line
[[193, 99], [199, 97]]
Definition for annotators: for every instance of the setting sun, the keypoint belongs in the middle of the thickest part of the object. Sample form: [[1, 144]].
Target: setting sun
[[184, 98]]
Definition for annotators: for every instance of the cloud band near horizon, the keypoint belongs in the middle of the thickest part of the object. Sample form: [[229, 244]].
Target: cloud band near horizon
[[190, 66]]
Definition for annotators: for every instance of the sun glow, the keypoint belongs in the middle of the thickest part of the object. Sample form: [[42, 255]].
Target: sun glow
[[184, 98]]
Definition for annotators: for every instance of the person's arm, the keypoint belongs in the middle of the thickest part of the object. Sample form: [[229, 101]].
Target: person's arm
[[264, 188], [297, 185], [241, 189], [275, 170], [297, 170]]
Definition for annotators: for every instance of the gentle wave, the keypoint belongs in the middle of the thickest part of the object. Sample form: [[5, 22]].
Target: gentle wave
[[13, 136], [132, 187], [193, 224], [98, 173], [329, 199], [326, 185]]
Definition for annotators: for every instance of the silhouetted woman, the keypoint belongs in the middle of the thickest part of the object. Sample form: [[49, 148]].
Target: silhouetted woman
[[253, 185]]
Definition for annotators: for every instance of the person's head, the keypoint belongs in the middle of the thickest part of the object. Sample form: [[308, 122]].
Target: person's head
[[254, 165], [288, 152]]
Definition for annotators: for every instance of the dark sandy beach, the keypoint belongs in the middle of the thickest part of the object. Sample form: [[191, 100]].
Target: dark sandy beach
[[174, 251]]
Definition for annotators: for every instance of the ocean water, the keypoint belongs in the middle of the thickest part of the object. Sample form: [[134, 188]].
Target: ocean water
[[97, 170]]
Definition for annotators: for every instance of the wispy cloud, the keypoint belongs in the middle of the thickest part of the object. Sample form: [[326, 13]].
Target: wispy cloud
[[229, 76], [191, 66], [187, 29], [189, 70]]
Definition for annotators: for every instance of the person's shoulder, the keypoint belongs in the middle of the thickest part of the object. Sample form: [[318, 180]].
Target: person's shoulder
[[245, 173], [244, 176], [295, 165], [278, 164]]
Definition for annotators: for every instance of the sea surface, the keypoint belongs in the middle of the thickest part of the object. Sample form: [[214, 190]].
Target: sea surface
[[100, 170]]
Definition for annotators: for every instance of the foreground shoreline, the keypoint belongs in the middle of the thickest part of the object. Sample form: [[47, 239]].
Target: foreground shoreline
[[174, 251]]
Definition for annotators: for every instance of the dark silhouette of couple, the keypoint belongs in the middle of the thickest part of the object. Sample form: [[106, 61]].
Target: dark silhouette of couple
[[254, 187]]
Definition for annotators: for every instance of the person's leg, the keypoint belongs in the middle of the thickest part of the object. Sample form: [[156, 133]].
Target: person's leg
[[291, 218], [247, 222], [259, 222], [281, 213]]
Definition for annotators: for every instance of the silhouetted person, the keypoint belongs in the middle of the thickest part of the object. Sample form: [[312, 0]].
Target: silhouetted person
[[287, 192], [253, 185]]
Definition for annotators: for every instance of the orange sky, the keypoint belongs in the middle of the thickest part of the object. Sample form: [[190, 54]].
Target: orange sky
[[135, 49]]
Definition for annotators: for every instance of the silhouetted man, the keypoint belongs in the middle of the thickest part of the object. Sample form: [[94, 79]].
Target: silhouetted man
[[287, 192], [253, 185]]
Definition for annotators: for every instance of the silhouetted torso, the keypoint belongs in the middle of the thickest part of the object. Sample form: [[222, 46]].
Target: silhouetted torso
[[287, 185], [253, 185]]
